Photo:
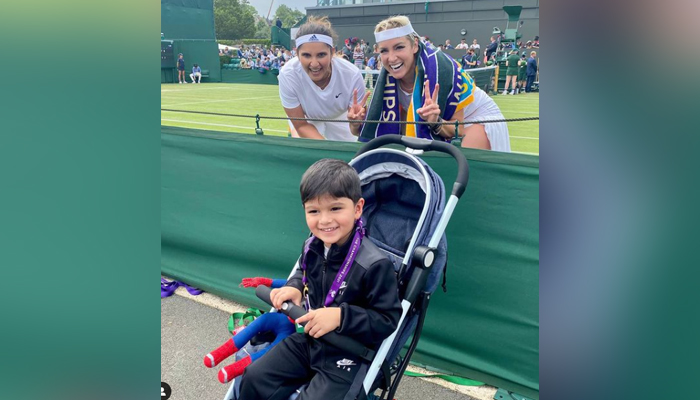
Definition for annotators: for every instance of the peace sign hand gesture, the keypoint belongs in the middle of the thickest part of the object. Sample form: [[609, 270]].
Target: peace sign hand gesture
[[357, 111], [430, 111]]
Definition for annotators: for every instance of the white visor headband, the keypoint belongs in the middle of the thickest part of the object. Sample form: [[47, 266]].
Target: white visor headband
[[314, 38], [393, 33]]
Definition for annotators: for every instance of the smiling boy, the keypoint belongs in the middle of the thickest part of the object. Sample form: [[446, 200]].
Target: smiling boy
[[344, 281]]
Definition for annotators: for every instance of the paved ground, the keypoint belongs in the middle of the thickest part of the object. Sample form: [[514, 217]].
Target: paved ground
[[189, 330]]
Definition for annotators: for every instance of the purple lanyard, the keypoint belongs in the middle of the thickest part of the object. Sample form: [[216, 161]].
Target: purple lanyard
[[344, 269]]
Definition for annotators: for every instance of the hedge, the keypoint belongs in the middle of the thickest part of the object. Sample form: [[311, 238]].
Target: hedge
[[238, 42]]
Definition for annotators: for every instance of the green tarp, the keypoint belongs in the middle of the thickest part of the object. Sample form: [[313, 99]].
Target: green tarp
[[230, 209]]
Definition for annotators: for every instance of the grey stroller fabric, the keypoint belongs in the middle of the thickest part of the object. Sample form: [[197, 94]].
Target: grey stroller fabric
[[395, 197]]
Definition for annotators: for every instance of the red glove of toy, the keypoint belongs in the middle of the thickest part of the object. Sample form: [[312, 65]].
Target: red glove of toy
[[255, 282]]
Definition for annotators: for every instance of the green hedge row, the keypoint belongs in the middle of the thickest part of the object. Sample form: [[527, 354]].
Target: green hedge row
[[238, 42]]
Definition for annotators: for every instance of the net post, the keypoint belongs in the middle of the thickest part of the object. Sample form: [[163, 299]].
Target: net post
[[457, 140], [258, 129]]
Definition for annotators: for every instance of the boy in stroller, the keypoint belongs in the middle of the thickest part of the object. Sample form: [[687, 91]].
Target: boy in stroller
[[346, 284], [405, 215]]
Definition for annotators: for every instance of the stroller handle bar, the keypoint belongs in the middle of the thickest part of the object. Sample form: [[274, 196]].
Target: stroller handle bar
[[342, 342], [426, 145]]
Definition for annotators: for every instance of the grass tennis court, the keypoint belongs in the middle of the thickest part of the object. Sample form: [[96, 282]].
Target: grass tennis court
[[248, 99]]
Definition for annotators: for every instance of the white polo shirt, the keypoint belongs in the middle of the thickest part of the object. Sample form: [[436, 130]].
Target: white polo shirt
[[297, 88]]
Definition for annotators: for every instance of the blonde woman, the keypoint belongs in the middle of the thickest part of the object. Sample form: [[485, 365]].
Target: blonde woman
[[417, 83]]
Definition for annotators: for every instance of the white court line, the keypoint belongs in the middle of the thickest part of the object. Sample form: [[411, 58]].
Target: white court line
[[218, 101], [210, 88], [524, 137], [224, 125], [534, 114]]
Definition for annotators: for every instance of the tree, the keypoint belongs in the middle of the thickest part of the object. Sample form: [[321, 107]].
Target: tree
[[234, 19], [262, 29], [288, 16]]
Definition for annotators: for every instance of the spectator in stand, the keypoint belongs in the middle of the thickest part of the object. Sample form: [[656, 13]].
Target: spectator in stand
[[244, 64], [511, 72], [368, 50], [358, 56], [536, 42], [448, 45], [522, 73], [348, 50], [477, 51], [317, 85], [491, 49], [196, 73], [275, 64], [462, 45], [369, 83], [372, 63], [181, 69], [469, 60], [531, 71]]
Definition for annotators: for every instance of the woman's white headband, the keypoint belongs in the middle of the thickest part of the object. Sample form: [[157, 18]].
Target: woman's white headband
[[314, 37], [393, 33]]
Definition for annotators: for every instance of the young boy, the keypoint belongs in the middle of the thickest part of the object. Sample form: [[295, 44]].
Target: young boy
[[364, 306]]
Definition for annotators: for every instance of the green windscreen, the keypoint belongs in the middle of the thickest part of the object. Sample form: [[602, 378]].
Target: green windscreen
[[190, 25], [230, 209]]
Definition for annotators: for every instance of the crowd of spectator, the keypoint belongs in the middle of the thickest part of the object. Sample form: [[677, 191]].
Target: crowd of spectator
[[366, 57], [260, 57]]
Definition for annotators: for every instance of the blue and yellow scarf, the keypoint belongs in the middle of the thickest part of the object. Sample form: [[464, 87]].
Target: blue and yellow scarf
[[456, 92]]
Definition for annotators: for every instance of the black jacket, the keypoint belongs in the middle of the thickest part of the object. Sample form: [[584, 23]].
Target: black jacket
[[369, 304]]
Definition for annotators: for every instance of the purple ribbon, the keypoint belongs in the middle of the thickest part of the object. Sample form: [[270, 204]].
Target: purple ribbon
[[344, 269], [168, 288]]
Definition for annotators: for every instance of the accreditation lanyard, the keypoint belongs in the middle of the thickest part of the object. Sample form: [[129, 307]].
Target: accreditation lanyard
[[344, 269]]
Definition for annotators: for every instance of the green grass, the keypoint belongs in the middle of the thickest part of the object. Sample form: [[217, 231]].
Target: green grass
[[244, 99]]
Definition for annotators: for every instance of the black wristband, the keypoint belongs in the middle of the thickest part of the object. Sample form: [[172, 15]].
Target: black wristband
[[435, 128]]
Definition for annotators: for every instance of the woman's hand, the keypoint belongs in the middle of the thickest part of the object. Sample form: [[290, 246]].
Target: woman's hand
[[357, 111], [430, 111]]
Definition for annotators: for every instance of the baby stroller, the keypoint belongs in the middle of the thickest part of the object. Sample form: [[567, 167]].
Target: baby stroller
[[405, 215]]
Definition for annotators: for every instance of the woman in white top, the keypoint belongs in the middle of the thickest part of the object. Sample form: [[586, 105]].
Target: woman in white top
[[318, 85]]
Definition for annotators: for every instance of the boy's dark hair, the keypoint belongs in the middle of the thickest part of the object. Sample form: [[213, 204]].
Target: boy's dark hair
[[330, 177]]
